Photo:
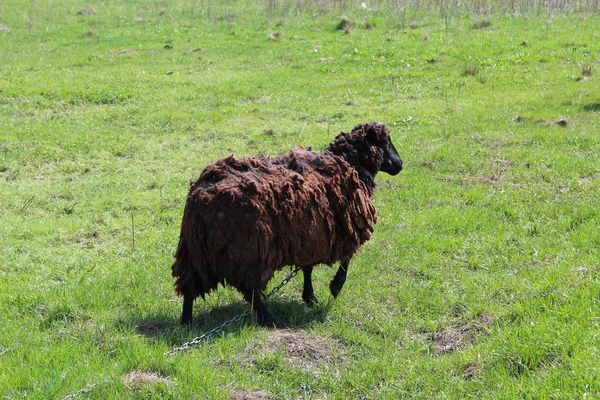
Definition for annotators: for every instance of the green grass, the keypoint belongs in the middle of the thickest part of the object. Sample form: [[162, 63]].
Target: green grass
[[481, 279]]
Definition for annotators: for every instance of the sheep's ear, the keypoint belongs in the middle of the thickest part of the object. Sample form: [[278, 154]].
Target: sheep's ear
[[372, 136]]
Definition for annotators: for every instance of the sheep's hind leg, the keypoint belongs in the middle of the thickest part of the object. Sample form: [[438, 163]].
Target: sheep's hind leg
[[188, 306], [339, 279], [308, 294], [263, 315]]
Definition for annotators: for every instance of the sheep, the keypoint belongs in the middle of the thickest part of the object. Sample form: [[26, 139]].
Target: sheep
[[246, 218]]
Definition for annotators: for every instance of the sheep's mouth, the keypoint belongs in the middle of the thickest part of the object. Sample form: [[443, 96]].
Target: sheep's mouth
[[392, 168]]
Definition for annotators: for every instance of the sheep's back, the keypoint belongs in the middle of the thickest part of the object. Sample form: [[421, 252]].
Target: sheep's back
[[257, 215]]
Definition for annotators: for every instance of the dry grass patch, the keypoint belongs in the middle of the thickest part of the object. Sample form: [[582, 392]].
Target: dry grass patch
[[137, 379], [87, 11], [88, 326], [369, 25], [299, 349], [491, 179], [586, 70], [458, 336], [249, 394], [590, 177], [472, 370], [482, 23], [346, 25], [299, 346], [471, 70], [520, 119], [274, 35], [127, 51], [562, 122]]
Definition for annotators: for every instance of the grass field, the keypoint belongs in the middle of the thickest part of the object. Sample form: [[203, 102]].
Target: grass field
[[482, 278]]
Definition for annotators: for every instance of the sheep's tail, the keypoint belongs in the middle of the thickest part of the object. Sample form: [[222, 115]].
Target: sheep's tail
[[191, 267]]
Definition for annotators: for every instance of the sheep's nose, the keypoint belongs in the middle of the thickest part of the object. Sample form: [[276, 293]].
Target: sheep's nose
[[392, 167]]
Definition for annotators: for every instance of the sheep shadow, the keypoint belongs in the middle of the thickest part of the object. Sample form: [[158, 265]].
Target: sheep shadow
[[289, 314], [591, 107]]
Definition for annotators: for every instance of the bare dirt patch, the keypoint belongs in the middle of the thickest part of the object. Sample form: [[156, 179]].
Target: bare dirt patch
[[458, 336]]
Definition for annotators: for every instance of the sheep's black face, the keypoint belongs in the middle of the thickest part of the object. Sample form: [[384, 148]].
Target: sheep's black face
[[392, 163], [379, 137]]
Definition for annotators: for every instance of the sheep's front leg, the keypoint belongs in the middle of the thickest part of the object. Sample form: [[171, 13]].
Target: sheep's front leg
[[263, 315], [339, 279], [308, 294]]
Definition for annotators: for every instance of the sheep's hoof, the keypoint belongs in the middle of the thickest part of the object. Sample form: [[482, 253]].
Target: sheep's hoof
[[310, 300], [267, 321], [335, 288], [271, 324]]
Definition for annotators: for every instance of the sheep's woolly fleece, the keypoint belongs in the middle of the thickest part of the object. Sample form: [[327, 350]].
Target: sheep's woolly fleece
[[256, 215]]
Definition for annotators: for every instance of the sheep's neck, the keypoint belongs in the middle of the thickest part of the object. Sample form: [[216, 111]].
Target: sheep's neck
[[365, 176], [348, 148]]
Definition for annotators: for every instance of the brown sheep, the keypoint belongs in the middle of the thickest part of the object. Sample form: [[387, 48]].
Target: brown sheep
[[246, 218]]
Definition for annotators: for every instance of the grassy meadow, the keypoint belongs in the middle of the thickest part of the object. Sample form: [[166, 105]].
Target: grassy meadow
[[481, 280]]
